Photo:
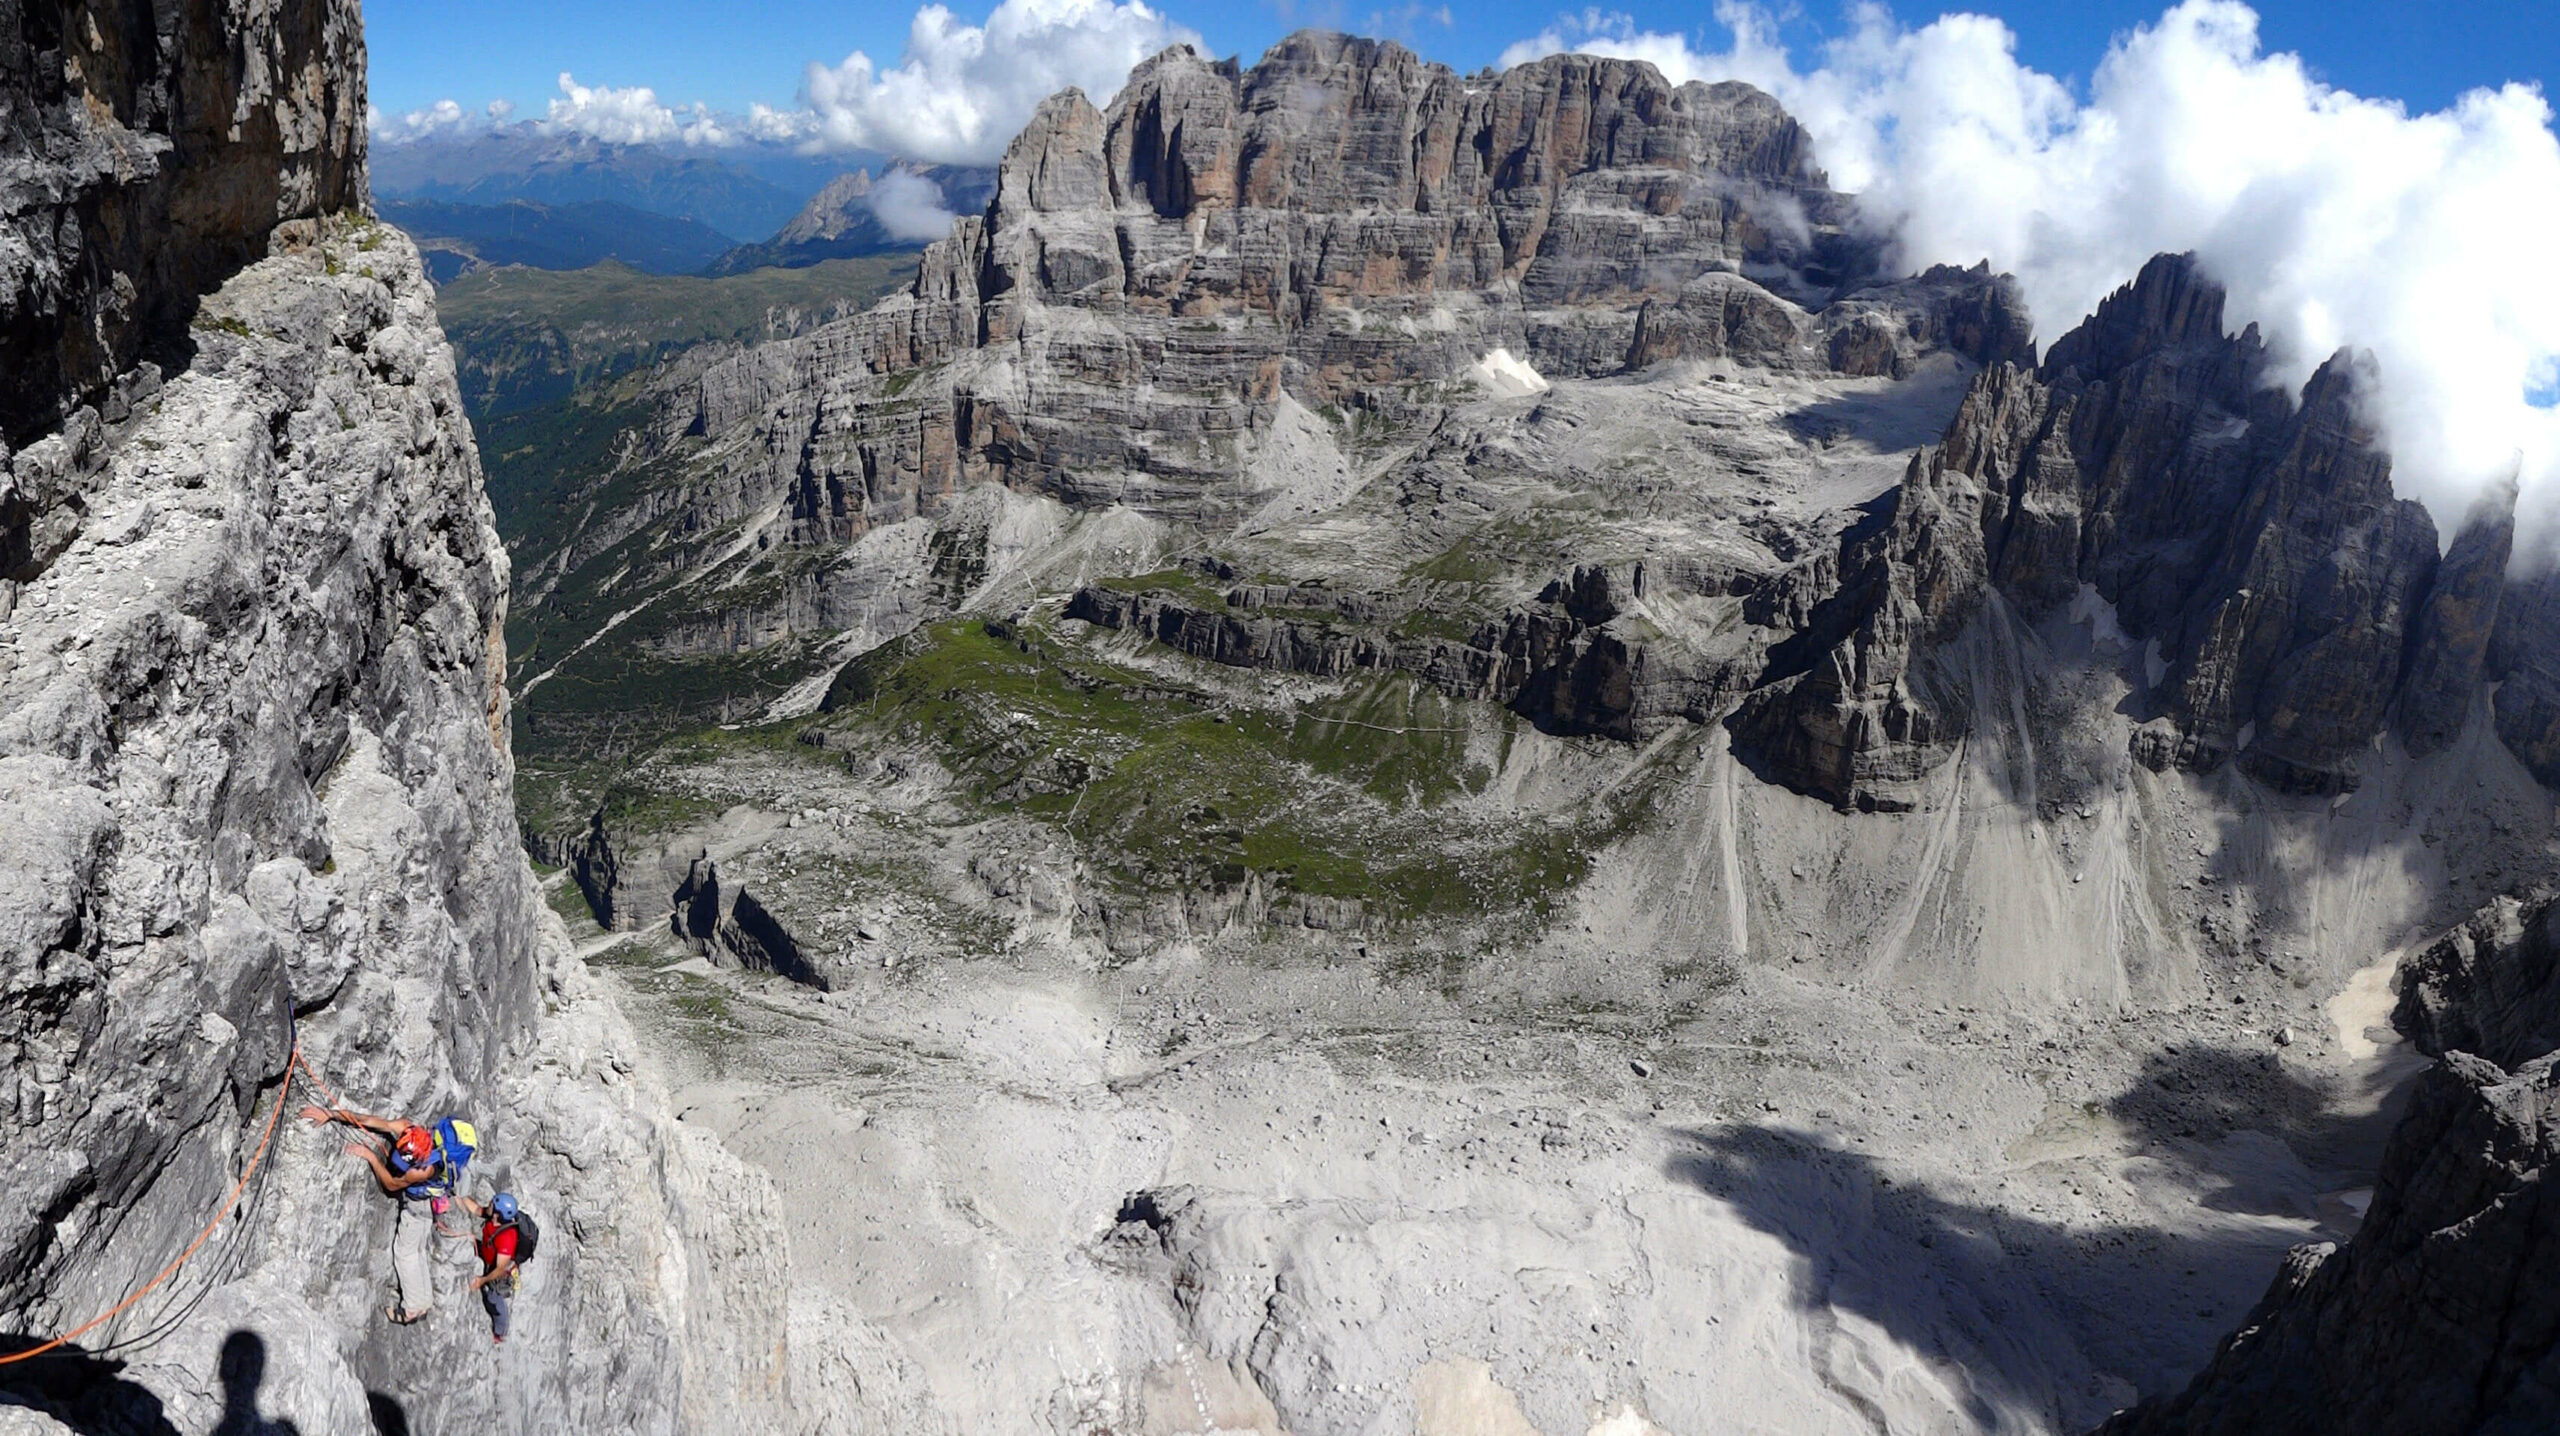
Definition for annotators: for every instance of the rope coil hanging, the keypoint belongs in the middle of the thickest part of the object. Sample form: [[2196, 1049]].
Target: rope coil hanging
[[284, 1095]]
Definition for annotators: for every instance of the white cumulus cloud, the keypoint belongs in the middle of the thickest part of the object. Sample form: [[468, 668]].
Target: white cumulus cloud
[[2333, 220], [769, 126], [632, 115], [909, 206], [961, 91], [444, 117]]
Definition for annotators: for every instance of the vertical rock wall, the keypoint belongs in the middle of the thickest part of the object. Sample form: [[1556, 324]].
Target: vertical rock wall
[[254, 768], [2296, 608]]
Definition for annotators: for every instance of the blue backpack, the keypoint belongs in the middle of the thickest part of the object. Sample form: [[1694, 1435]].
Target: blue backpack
[[456, 1141]]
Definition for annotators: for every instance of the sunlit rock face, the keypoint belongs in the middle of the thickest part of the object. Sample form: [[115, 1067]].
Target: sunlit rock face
[[255, 788]]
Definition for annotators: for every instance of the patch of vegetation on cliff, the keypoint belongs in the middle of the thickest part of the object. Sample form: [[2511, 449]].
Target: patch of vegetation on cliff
[[547, 469], [616, 699], [1171, 787], [561, 798]]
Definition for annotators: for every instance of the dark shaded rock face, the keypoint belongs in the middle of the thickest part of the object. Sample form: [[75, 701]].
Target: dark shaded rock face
[[2491, 987], [1853, 706], [2442, 1316], [614, 893], [2297, 607], [764, 944], [2449, 650], [146, 154], [2524, 655]]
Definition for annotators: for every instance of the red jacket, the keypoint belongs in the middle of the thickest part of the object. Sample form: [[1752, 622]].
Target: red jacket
[[497, 1243]]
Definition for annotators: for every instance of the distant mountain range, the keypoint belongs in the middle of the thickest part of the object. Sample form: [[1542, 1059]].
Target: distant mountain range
[[458, 238], [516, 196], [746, 193], [527, 338], [857, 215]]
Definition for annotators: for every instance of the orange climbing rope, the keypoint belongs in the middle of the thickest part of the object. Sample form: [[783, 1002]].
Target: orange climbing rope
[[335, 1104], [283, 1094]]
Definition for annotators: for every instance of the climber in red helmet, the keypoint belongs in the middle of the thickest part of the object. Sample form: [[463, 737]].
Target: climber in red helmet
[[412, 1168]]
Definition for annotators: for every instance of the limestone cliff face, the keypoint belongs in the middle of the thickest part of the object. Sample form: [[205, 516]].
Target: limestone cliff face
[[254, 764], [145, 155], [2295, 608], [1340, 223], [2442, 1316], [1234, 277]]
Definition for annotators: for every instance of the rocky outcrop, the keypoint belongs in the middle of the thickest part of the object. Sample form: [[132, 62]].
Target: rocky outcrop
[[255, 794], [2296, 609], [2449, 648], [1321, 642], [729, 923], [1583, 657], [2442, 1316], [2525, 659], [2491, 987], [1343, 217], [1165, 302], [1854, 707], [254, 763], [614, 893], [763, 944]]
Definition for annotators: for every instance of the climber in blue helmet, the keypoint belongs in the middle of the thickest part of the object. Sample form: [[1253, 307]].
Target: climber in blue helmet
[[507, 1238]]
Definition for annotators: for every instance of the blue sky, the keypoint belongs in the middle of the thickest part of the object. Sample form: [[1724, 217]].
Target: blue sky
[[755, 51]]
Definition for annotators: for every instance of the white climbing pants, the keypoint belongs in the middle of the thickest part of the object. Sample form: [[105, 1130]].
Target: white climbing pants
[[411, 1247]]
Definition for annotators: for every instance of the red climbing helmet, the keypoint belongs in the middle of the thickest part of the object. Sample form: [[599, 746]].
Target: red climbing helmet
[[414, 1145]]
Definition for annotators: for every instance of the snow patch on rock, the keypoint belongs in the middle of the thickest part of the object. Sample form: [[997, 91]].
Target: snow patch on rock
[[1507, 375]]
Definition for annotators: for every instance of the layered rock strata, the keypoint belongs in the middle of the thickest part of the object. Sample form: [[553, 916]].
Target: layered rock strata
[[1176, 304], [1582, 657], [1341, 219]]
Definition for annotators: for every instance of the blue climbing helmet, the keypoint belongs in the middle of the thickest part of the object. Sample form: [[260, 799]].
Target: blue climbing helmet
[[504, 1204]]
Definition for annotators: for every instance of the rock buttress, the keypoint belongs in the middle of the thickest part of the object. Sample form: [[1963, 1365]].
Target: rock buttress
[[254, 764]]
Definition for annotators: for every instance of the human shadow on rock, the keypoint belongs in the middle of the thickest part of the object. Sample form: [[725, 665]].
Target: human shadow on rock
[[244, 1370], [2053, 1322]]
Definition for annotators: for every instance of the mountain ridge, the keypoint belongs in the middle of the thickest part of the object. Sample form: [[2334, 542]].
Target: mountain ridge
[[256, 818]]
